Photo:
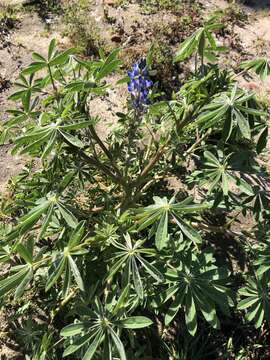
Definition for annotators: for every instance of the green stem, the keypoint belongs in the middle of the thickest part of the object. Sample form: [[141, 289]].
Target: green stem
[[96, 163], [104, 149], [62, 76], [51, 77]]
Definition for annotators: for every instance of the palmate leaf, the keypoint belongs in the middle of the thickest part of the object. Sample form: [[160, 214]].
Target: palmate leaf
[[109, 65], [230, 110], [44, 206], [45, 138], [53, 59], [262, 261], [103, 328], [196, 287], [27, 221], [131, 262], [201, 41], [161, 211], [26, 86], [219, 175], [23, 273], [261, 66], [64, 263], [256, 300], [189, 46]]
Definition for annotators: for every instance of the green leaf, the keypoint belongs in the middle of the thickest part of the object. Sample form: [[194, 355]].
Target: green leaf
[[73, 329], [68, 216], [137, 279], [61, 58], [190, 314], [227, 127], [67, 280], [35, 144], [38, 57], [76, 273], [34, 67], [136, 322], [28, 220], [122, 299], [109, 65], [72, 139], [46, 222], [116, 266], [24, 253], [162, 231], [77, 126], [211, 157], [149, 221], [50, 145], [77, 344], [51, 48], [191, 233], [243, 124], [93, 347], [244, 186], [13, 281], [261, 66], [149, 58], [118, 343], [56, 273], [152, 270], [24, 283], [245, 303], [187, 47], [174, 308], [262, 140], [124, 80], [225, 184], [258, 319], [77, 235]]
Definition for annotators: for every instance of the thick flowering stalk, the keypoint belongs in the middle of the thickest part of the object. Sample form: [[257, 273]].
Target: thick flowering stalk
[[139, 84]]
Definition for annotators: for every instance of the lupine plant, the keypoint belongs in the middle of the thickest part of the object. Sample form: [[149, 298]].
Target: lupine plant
[[118, 260]]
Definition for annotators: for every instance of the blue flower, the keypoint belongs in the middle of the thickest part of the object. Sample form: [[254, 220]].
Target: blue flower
[[139, 84]]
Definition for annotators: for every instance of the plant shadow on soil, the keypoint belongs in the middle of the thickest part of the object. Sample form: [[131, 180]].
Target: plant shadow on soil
[[257, 4]]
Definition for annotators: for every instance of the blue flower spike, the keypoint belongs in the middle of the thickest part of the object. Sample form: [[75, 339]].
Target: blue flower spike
[[139, 84]]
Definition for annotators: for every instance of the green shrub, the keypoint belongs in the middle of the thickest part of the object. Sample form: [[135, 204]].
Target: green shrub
[[117, 279]]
